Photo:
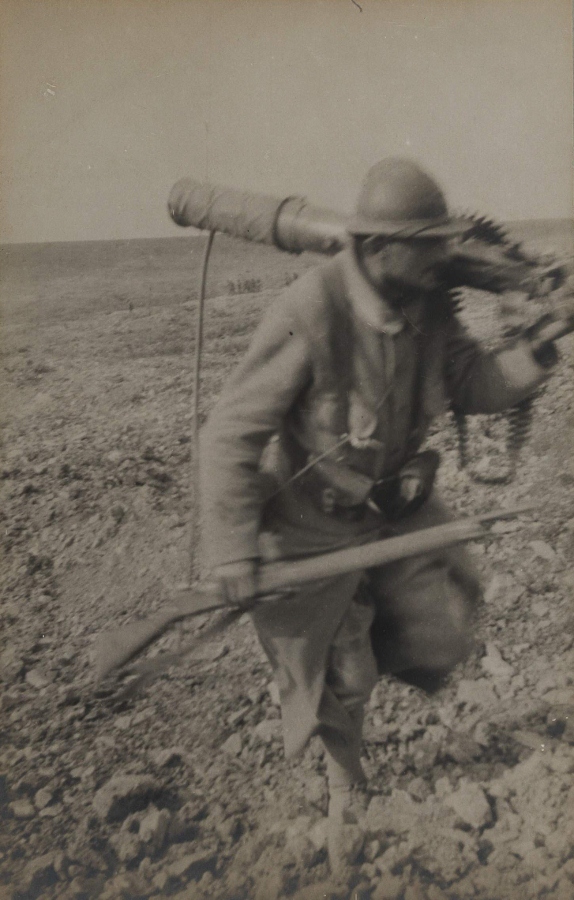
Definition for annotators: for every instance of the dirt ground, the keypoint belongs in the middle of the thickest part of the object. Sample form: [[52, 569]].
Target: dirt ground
[[184, 792]]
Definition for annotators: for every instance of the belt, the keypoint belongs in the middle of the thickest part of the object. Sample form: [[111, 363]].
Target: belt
[[386, 495]]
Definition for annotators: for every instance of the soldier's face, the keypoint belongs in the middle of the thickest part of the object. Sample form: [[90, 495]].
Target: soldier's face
[[412, 263]]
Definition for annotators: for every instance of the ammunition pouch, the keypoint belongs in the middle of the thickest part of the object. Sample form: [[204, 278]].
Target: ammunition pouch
[[404, 492], [395, 496], [338, 491]]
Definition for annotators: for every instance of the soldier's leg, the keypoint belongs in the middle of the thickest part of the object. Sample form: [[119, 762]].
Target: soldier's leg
[[425, 609], [350, 677], [425, 606]]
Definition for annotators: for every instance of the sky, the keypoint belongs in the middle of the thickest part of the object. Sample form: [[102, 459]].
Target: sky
[[104, 104]]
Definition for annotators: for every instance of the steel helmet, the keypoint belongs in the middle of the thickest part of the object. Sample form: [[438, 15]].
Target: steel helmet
[[399, 199]]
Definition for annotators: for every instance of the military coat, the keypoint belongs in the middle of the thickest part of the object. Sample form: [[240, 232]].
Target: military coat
[[338, 384]]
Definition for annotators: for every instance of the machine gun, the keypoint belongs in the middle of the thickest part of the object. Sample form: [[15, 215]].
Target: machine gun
[[484, 258]]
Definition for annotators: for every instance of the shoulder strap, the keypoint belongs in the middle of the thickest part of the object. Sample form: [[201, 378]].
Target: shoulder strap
[[339, 341]]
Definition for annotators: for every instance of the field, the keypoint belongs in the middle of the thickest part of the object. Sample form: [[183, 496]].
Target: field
[[97, 518]]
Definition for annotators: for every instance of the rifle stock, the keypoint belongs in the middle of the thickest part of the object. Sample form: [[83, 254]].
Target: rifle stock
[[113, 649]]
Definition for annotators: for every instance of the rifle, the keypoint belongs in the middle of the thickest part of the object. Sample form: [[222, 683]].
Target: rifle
[[113, 649]]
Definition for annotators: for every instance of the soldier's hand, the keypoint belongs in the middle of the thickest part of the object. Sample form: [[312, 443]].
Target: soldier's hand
[[238, 582]]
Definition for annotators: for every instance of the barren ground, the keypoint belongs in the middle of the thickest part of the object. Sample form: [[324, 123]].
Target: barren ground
[[184, 792]]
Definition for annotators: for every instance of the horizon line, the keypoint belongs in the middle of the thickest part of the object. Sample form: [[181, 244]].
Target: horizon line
[[191, 232]]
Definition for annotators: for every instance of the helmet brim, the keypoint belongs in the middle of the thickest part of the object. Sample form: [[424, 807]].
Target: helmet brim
[[410, 228]]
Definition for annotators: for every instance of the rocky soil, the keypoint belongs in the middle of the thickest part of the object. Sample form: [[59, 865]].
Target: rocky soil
[[184, 792]]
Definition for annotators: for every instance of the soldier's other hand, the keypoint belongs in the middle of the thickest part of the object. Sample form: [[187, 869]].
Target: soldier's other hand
[[238, 582]]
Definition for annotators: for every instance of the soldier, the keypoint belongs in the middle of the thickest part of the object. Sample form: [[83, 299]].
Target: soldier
[[314, 445]]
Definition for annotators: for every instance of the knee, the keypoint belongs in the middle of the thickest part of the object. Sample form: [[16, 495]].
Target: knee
[[441, 640], [438, 649]]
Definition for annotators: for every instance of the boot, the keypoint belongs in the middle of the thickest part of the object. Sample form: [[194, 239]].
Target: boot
[[347, 807], [348, 798], [348, 802]]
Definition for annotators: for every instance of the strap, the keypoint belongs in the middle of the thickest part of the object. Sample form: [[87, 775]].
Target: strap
[[337, 345]]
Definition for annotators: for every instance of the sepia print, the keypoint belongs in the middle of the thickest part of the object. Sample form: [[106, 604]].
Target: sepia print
[[287, 302]]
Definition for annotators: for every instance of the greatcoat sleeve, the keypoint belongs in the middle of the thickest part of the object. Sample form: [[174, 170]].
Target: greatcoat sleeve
[[251, 408], [481, 382]]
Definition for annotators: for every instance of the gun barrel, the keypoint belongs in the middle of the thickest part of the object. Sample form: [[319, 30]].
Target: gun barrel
[[291, 224]]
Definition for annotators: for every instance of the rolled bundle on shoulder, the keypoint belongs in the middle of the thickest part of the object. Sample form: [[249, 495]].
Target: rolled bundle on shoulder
[[290, 224]]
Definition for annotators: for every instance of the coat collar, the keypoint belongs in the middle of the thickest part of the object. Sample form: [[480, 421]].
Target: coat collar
[[370, 305]]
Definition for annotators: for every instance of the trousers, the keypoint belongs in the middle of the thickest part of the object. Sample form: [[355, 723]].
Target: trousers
[[417, 616], [330, 641], [350, 677]]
